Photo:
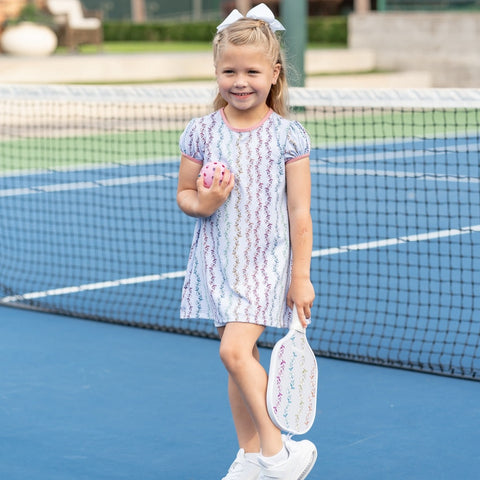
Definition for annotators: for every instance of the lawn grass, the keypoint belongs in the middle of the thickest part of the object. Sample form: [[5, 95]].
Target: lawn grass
[[141, 47], [161, 47], [43, 153]]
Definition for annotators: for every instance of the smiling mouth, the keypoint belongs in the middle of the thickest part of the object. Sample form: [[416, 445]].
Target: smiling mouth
[[241, 94]]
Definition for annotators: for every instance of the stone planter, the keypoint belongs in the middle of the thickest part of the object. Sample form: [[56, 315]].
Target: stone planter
[[28, 39]]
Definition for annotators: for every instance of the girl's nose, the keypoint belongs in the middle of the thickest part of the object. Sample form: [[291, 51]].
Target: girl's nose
[[240, 82]]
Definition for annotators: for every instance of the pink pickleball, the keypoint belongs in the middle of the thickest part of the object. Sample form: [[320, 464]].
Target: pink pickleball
[[208, 171]]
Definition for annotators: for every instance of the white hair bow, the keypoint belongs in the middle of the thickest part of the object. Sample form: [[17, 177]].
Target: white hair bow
[[260, 12]]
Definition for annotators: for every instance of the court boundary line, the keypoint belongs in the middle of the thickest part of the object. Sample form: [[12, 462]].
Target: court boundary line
[[418, 237], [388, 155], [316, 168], [71, 186], [324, 170], [87, 166]]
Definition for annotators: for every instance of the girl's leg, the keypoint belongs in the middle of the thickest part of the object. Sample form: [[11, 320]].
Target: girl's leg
[[247, 434], [248, 387]]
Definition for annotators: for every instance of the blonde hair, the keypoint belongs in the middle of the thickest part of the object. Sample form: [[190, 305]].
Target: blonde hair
[[248, 31]]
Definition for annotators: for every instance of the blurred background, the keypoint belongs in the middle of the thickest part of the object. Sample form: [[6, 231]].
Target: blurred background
[[348, 43]]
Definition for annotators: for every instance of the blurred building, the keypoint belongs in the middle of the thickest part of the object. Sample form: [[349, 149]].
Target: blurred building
[[122, 9], [204, 9], [157, 9]]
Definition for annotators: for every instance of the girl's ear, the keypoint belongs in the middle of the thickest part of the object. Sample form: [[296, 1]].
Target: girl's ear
[[277, 68]]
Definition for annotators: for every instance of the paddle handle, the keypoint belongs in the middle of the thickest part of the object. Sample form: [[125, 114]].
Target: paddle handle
[[296, 324]]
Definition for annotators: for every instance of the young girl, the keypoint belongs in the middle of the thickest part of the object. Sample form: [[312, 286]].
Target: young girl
[[250, 258]]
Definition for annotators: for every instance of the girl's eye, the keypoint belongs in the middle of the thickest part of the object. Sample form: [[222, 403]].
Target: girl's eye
[[253, 72]]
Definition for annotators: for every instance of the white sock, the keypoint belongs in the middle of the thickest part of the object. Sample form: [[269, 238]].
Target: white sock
[[252, 456], [280, 457]]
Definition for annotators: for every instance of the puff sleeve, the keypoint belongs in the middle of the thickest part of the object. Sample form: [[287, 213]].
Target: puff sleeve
[[298, 143], [191, 144]]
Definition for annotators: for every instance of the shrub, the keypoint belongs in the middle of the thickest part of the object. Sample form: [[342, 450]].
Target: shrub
[[325, 30]]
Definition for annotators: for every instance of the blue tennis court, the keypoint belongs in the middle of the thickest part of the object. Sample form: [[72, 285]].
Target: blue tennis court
[[86, 400], [395, 259]]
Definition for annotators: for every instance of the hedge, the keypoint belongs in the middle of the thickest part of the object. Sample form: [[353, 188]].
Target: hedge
[[327, 30], [331, 30], [118, 31]]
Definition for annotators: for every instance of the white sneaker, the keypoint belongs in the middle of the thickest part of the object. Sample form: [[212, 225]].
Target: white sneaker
[[301, 459], [243, 468]]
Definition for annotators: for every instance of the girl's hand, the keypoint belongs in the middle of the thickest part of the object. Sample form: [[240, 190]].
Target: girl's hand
[[193, 197], [211, 198], [301, 294]]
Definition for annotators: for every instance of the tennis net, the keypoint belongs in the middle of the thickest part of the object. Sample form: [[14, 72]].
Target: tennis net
[[90, 226]]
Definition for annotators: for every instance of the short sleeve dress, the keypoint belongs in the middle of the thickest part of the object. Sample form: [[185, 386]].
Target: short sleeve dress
[[240, 260]]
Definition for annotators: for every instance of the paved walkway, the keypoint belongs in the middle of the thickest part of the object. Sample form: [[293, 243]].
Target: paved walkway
[[325, 68]]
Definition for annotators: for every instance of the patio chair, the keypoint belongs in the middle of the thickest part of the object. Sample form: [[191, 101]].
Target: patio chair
[[75, 24]]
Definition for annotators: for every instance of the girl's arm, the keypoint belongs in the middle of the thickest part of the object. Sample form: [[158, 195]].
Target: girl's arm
[[301, 291], [193, 197]]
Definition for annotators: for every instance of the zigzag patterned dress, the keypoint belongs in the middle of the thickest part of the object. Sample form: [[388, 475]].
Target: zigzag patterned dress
[[239, 264]]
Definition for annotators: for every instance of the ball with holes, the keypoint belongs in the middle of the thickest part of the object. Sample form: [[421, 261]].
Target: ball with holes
[[208, 171]]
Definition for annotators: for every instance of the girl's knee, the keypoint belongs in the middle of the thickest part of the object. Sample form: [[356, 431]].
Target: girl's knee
[[238, 345], [232, 356]]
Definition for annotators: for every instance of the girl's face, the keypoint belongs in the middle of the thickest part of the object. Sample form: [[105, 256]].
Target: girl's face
[[245, 76]]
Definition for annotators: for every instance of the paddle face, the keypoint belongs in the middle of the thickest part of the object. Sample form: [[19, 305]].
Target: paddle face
[[292, 382]]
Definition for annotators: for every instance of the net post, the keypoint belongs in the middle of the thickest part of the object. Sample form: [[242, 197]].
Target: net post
[[364, 6], [294, 15]]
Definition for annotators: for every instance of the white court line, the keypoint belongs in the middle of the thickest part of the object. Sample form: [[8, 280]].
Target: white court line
[[30, 172], [107, 182], [111, 182], [92, 286], [381, 156], [181, 273], [419, 237], [392, 173]]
